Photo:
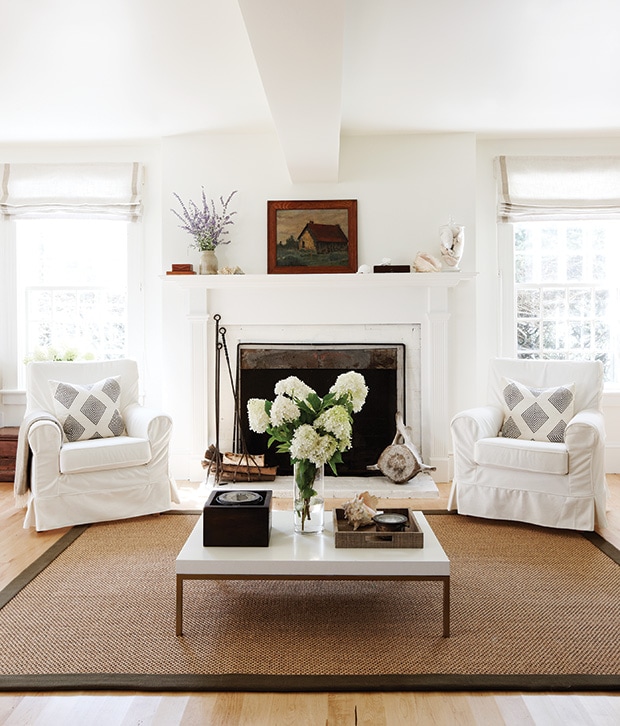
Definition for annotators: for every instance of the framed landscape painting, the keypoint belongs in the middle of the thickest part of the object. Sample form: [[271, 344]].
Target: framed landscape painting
[[312, 236]]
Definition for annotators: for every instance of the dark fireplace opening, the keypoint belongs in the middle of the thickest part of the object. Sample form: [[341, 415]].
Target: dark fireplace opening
[[261, 366]]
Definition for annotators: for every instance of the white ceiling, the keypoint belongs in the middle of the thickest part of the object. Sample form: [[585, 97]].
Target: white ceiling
[[129, 70]]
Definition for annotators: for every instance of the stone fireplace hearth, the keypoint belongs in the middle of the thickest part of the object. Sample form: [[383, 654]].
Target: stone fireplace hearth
[[411, 310]]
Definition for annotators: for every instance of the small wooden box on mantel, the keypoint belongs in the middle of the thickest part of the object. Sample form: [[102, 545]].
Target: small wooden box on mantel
[[8, 451]]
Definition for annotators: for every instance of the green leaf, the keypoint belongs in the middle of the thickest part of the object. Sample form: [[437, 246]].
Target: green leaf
[[314, 401]]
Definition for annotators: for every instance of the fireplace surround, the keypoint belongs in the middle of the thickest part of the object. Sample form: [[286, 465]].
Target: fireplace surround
[[411, 309]]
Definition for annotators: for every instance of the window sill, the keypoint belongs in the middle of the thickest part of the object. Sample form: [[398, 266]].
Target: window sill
[[611, 395], [12, 397]]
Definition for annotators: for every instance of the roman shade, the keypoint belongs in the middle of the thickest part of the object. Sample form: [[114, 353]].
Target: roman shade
[[538, 188], [99, 190]]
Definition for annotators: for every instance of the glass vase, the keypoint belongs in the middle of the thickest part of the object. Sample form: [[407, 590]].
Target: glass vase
[[308, 497]]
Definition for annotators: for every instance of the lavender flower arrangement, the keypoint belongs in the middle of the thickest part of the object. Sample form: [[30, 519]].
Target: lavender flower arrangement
[[206, 226]]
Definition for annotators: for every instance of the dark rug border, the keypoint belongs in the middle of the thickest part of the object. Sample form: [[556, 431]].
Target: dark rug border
[[35, 568], [603, 545], [252, 683], [247, 682]]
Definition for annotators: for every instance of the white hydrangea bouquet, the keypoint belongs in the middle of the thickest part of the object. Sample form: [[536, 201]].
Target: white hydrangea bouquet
[[313, 430]]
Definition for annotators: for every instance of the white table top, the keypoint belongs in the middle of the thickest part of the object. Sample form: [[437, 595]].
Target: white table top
[[310, 555]]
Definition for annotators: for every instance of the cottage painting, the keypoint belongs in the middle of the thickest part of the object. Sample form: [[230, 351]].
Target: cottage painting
[[312, 236]]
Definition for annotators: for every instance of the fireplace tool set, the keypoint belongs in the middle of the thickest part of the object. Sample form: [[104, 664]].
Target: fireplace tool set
[[231, 466]]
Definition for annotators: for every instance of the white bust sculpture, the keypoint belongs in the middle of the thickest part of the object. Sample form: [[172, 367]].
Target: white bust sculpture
[[452, 240]]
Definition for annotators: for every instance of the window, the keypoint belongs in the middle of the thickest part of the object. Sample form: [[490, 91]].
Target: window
[[72, 286], [566, 291]]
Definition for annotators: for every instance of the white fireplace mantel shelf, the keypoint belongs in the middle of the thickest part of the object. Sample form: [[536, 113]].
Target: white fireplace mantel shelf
[[337, 280]]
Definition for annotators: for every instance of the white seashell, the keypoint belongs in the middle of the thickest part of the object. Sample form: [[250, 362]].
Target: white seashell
[[230, 271], [364, 270], [360, 510], [426, 263]]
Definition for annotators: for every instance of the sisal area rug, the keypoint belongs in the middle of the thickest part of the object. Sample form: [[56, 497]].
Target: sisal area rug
[[532, 609]]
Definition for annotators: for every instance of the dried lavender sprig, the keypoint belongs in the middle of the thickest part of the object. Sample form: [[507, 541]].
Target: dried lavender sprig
[[205, 225]]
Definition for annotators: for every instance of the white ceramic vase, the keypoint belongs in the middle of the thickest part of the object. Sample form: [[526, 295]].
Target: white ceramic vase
[[208, 263]]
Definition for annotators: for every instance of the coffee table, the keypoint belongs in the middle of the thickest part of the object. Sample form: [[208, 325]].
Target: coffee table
[[293, 556]]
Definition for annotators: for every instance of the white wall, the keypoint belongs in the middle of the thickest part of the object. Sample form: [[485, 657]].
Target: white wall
[[406, 187]]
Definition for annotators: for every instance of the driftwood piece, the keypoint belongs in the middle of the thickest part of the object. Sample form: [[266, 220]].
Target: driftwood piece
[[401, 460]]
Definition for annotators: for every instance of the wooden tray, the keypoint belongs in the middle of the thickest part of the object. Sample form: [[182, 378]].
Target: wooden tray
[[369, 538]]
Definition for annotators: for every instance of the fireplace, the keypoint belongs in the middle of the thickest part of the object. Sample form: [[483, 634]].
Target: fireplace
[[261, 365], [413, 309]]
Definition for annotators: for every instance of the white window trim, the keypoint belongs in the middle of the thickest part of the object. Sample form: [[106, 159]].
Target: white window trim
[[505, 257], [136, 309], [8, 323]]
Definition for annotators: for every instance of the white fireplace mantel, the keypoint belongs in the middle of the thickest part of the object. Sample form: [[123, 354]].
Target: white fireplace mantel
[[367, 282], [300, 303]]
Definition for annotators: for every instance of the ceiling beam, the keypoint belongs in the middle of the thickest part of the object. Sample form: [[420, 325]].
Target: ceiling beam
[[298, 47]]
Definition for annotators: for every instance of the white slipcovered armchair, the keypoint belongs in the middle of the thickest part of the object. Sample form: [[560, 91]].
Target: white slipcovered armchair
[[555, 481], [88, 458]]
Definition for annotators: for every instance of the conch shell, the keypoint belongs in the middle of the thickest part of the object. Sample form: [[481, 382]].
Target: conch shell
[[360, 510], [426, 263]]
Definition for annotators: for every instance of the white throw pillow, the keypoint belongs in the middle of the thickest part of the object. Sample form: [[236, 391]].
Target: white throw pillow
[[537, 414], [90, 411]]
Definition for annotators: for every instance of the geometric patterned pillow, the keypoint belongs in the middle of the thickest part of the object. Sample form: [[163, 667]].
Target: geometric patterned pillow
[[88, 412], [537, 414]]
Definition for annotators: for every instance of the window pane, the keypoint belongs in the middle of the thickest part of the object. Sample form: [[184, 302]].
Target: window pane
[[528, 336], [550, 238], [566, 292], [528, 303], [574, 239], [523, 239], [550, 268], [553, 303], [72, 279], [601, 303], [579, 303], [599, 271], [523, 268], [574, 267], [579, 335]]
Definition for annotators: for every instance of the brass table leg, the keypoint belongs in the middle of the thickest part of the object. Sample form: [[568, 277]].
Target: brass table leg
[[179, 605], [446, 607]]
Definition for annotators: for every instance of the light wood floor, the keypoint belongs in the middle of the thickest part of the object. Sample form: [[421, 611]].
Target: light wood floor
[[19, 547]]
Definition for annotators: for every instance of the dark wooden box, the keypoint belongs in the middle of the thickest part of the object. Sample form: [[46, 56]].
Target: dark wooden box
[[391, 268], [237, 525], [8, 450]]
